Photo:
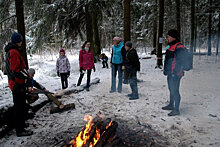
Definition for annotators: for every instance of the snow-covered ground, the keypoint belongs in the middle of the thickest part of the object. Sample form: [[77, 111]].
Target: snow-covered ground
[[198, 124]]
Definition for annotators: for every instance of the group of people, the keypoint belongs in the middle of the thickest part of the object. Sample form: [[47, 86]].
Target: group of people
[[124, 62]]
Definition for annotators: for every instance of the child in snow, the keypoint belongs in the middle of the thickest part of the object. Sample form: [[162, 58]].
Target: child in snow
[[63, 68], [132, 65], [104, 59]]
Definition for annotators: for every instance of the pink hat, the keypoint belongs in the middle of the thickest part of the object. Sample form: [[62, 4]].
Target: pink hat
[[117, 39], [62, 50]]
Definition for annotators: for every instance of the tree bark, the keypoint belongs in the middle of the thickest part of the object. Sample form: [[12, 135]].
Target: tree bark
[[127, 21], [192, 30], [89, 33], [97, 44], [210, 31], [160, 34], [155, 27], [178, 17], [217, 47], [21, 27]]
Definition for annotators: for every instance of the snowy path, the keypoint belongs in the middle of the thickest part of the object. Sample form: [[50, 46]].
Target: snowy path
[[198, 124]]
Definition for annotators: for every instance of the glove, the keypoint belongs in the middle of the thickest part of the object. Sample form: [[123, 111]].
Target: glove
[[68, 74], [94, 68], [81, 70], [58, 74], [123, 67]]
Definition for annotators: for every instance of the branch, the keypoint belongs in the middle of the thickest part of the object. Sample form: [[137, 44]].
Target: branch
[[7, 19]]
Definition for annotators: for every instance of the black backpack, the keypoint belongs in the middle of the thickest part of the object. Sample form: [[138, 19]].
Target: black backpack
[[187, 64]]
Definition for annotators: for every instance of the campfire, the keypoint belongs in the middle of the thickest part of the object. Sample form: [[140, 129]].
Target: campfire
[[96, 133]]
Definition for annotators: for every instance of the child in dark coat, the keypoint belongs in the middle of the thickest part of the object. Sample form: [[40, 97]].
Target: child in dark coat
[[104, 59], [132, 65]]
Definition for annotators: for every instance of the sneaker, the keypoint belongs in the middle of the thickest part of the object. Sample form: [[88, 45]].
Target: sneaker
[[167, 107], [174, 113], [25, 133]]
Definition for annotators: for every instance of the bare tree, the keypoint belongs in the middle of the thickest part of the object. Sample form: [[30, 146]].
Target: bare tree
[[178, 16], [192, 40]]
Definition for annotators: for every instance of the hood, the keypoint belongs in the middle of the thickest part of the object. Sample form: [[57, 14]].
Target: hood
[[11, 46]]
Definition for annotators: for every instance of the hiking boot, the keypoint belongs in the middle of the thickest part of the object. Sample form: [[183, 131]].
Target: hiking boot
[[168, 107], [174, 113], [24, 133], [111, 91], [133, 98]]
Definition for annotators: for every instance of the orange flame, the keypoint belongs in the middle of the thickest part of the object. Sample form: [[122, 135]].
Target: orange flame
[[84, 135]]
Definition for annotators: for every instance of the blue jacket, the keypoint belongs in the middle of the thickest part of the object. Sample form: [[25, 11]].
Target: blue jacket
[[118, 54]]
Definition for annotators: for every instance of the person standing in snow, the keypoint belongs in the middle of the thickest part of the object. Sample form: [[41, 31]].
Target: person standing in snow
[[86, 62], [17, 75], [117, 63], [132, 65], [173, 69], [63, 68]]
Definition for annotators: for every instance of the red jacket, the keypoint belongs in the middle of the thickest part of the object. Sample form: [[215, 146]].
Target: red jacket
[[86, 59], [15, 66]]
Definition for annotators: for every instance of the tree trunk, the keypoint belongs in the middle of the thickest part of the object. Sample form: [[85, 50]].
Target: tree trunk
[[96, 34], [89, 33], [155, 27], [192, 40], [21, 27], [127, 21], [210, 31], [178, 17], [217, 47], [160, 34]]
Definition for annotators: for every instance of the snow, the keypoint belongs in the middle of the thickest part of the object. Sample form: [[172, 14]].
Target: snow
[[197, 125]]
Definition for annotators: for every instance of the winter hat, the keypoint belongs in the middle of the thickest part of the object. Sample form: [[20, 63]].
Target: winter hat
[[62, 50], [117, 39], [128, 44], [16, 38], [31, 71], [174, 33]]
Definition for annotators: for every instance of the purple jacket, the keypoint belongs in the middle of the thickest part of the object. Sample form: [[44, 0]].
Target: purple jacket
[[63, 64]]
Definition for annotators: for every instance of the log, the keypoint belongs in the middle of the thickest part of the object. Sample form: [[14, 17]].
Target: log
[[65, 108], [107, 134], [75, 89]]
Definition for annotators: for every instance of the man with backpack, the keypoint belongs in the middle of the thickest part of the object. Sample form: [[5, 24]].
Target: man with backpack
[[174, 70]]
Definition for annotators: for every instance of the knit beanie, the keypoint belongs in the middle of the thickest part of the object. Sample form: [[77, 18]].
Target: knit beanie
[[117, 39], [128, 44], [62, 50], [31, 71], [174, 33], [16, 38]]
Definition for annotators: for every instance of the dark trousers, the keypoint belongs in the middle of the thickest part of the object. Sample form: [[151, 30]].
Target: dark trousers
[[133, 85], [173, 85], [19, 97], [104, 64], [88, 78], [64, 80]]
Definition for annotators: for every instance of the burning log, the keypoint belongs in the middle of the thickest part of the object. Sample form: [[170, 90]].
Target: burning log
[[96, 133]]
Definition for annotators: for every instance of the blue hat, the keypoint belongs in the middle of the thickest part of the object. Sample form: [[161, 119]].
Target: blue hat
[[16, 38], [128, 44]]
